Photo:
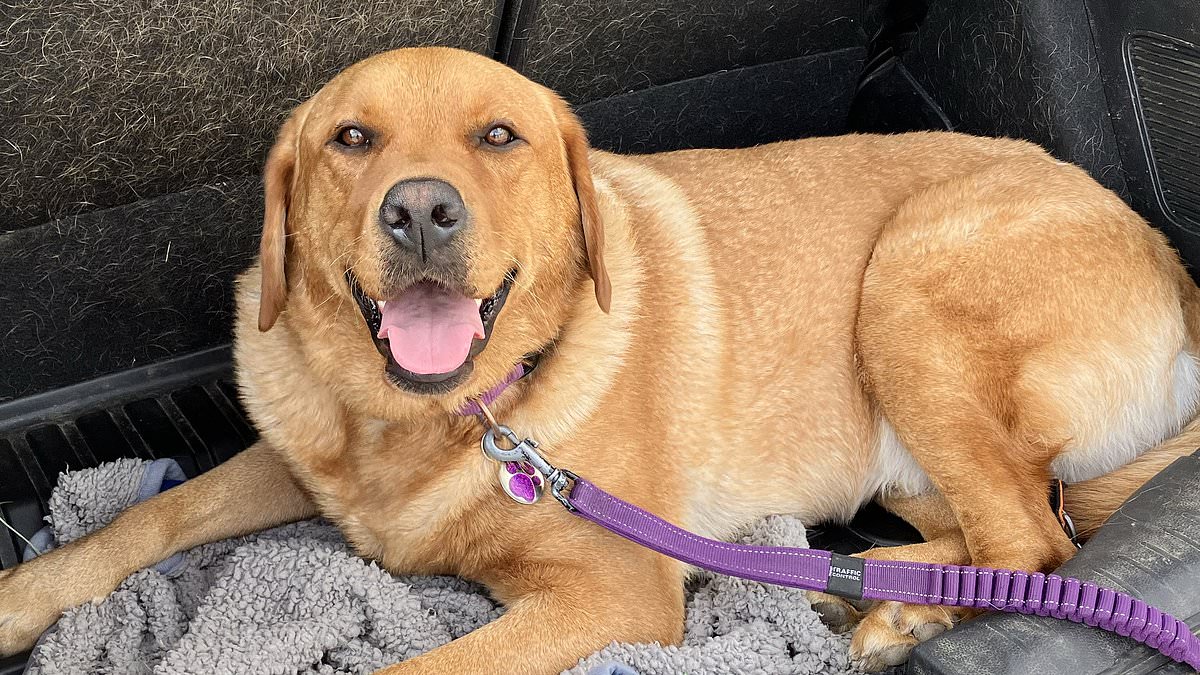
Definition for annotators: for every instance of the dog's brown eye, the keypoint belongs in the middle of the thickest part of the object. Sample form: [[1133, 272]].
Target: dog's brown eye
[[352, 137], [499, 135]]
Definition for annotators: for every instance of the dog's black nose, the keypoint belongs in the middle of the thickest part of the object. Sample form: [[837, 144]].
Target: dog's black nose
[[423, 214]]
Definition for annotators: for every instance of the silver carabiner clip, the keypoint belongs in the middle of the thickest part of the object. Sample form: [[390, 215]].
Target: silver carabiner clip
[[518, 477], [524, 473], [514, 454]]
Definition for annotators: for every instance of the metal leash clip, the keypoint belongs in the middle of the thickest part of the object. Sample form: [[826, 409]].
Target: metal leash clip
[[523, 470]]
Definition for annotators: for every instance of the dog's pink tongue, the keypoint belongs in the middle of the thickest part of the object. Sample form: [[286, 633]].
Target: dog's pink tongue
[[430, 328]]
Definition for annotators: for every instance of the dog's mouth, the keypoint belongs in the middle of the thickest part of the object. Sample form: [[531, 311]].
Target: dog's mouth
[[430, 333]]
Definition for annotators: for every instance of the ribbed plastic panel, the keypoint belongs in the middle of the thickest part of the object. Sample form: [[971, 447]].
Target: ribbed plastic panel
[[1166, 73], [186, 409]]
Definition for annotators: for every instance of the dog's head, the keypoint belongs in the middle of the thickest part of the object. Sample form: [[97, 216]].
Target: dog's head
[[445, 197]]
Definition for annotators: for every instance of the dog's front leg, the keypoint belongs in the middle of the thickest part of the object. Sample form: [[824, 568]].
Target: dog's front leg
[[560, 614], [250, 492]]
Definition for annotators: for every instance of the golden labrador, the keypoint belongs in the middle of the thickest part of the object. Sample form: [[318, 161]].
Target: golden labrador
[[939, 322]]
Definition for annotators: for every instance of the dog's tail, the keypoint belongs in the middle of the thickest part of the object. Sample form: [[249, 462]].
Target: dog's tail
[[1091, 502]]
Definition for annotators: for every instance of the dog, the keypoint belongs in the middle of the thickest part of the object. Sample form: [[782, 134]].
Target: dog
[[938, 322]]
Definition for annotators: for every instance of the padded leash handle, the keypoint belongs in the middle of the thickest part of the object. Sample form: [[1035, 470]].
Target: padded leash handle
[[915, 583]]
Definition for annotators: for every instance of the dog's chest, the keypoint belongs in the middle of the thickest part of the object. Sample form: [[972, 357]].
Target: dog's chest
[[418, 507]]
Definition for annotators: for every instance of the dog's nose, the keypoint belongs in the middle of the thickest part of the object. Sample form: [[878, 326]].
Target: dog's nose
[[422, 214]]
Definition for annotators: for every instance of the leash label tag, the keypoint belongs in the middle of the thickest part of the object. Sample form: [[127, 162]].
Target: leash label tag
[[845, 576]]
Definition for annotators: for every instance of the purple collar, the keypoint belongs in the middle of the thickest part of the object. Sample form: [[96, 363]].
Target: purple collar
[[471, 408]]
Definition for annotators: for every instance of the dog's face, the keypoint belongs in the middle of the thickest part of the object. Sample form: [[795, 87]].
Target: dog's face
[[446, 198]]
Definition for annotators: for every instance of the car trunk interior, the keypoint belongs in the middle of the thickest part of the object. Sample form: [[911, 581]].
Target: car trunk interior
[[130, 194]]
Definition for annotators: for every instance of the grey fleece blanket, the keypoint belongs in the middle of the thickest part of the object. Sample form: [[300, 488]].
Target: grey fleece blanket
[[295, 599]]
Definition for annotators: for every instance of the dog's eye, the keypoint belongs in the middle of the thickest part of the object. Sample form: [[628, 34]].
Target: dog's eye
[[352, 137], [499, 135]]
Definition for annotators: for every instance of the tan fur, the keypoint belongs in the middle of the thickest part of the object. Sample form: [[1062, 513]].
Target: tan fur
[[728, 334]]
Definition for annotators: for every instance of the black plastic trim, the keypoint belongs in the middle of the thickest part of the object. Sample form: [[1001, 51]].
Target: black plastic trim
[[75, 400]]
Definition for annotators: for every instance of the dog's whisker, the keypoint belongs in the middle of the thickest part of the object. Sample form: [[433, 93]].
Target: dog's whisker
[[331, 296], [349, 249]]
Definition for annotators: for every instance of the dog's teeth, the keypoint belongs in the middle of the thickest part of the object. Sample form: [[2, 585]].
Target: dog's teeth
[[479, 302], [380, 304]]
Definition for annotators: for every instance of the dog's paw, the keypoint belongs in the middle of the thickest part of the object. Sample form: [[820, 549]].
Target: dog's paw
[[839, 614], [26, 608], [889, 632]]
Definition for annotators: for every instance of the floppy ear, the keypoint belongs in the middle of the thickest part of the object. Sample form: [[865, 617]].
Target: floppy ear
[[576, 143], [278, 179]]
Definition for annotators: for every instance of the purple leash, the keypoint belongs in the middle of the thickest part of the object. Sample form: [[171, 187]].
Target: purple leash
[[914, 583], [849, 577]]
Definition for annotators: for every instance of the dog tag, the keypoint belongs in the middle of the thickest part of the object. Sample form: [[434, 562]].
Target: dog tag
[[520, 481]]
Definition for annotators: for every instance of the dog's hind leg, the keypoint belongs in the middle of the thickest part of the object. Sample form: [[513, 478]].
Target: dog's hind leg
[[1006, 332], [994, 481], [986, 307], [250, 492]]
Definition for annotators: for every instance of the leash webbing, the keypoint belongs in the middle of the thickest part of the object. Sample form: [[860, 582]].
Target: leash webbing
[[915, 583]]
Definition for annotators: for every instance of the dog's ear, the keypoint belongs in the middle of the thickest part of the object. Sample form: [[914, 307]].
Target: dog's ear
[[279, 177], [576, 146]]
